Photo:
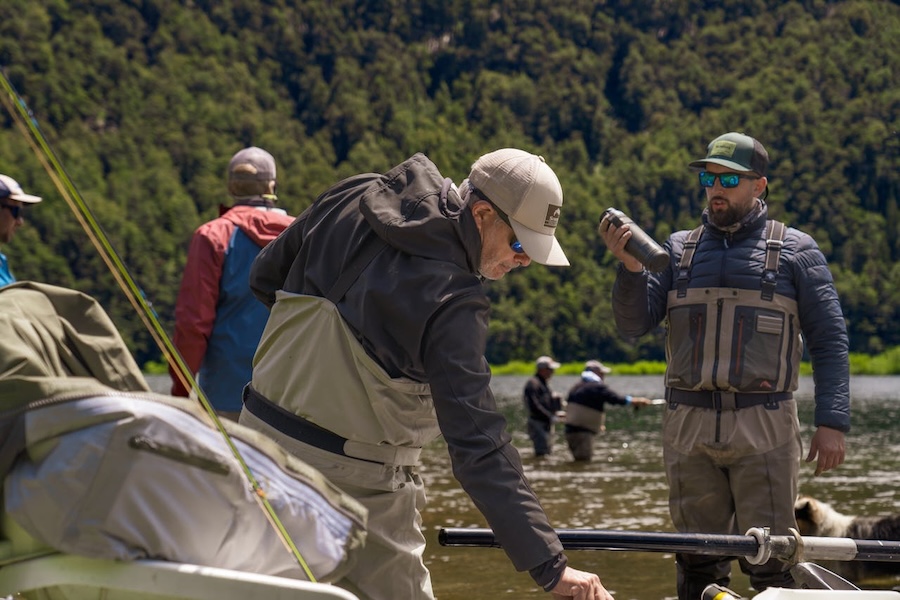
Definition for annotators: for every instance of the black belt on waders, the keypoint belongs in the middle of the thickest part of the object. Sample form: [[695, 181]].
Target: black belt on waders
[[720, 400], [300, 429]]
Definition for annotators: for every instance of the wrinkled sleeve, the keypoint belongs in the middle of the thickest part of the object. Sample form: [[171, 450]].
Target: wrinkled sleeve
[[639, 299], [195, 308], [825, 331], [483, 458]]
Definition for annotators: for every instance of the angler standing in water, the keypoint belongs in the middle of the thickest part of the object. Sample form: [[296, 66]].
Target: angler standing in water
[[13, 201], [739, 291]]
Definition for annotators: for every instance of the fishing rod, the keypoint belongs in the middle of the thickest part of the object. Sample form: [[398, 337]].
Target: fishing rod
[[28, 126], [757, 546]]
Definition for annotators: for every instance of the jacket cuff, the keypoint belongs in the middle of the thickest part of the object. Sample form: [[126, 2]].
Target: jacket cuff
[[621, 271], [548, 574]]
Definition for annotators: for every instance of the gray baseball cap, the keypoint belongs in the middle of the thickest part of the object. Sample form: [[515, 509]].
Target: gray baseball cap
[[249, 173], [596, 366]]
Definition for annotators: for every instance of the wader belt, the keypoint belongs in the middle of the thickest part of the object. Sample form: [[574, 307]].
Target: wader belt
[[308, 432], [723, 400]]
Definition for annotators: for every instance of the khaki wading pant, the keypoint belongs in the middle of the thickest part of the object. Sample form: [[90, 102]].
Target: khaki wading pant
[[581, 444], [390, 565], [729, 471]]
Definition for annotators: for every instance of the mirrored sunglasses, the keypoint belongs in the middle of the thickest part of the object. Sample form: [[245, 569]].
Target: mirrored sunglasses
[[728, 180]]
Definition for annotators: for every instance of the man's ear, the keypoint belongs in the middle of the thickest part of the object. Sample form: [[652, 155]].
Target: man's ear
[[760, 187], [480, 210], [480, 207]]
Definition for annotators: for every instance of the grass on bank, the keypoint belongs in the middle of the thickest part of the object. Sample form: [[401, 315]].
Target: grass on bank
[[886, 363]]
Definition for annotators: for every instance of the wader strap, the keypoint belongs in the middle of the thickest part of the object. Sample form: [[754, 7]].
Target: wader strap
[[687, 257], [774, 236]]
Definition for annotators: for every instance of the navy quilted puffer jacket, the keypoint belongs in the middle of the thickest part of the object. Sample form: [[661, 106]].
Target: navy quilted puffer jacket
[[736, 260]]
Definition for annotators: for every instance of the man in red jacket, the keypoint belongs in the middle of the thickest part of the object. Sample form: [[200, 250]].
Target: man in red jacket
[[218, 321]]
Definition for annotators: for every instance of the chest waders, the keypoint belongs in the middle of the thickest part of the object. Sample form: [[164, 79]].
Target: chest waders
[[327, 391], [732, 449], [743, 344], [579, 415]]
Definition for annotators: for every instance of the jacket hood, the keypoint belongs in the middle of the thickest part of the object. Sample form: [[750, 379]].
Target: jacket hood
[[262, 225], [414, 209]]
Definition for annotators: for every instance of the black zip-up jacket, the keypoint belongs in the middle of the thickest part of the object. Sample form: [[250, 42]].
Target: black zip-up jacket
[[539, 400], [727, 259], [421, 311]]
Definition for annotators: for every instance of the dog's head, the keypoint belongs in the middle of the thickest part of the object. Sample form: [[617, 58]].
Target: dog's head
[[818, 518]]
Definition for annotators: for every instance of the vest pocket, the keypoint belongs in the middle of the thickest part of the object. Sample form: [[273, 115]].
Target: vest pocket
[[684, 345], [758, 336]]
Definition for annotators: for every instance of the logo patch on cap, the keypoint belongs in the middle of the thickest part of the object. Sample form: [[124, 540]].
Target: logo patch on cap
[[552, 217], [723, 148]]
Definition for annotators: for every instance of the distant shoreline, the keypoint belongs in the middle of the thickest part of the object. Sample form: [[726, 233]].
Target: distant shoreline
[[886, 363]]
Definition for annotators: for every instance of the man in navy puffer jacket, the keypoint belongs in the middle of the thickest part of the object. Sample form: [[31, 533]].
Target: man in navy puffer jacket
[[740, 296]]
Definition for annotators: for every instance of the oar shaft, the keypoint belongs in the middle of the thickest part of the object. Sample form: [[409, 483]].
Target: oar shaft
[[599, 539], [784, 547]]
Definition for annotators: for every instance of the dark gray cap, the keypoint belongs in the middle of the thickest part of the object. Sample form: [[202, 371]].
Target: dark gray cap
[[736, 151]]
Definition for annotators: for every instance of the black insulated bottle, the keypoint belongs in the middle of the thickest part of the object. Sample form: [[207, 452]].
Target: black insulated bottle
[[641, 246]]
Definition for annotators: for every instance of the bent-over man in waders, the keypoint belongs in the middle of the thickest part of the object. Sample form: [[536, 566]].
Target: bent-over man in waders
[[375, 346]]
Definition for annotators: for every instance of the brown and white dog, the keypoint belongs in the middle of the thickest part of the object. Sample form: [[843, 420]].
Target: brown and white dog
[[819, 519]]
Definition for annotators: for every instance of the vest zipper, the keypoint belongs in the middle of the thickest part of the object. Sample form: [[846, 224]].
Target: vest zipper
[[789, 366], [696, 367], [718, 334], [739, 343]]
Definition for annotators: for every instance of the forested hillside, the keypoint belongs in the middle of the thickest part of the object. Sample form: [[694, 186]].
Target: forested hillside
[[144, 102]]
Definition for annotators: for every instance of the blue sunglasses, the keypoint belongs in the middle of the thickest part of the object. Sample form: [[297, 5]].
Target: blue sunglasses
[[728, 180], [15, 211]]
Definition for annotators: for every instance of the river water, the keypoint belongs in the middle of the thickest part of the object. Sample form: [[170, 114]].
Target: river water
[[625, 488]]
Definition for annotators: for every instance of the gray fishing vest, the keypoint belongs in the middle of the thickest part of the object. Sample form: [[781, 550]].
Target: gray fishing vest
[[732, 339]]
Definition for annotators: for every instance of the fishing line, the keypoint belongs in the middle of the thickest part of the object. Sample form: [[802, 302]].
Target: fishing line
[[28, 126]]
